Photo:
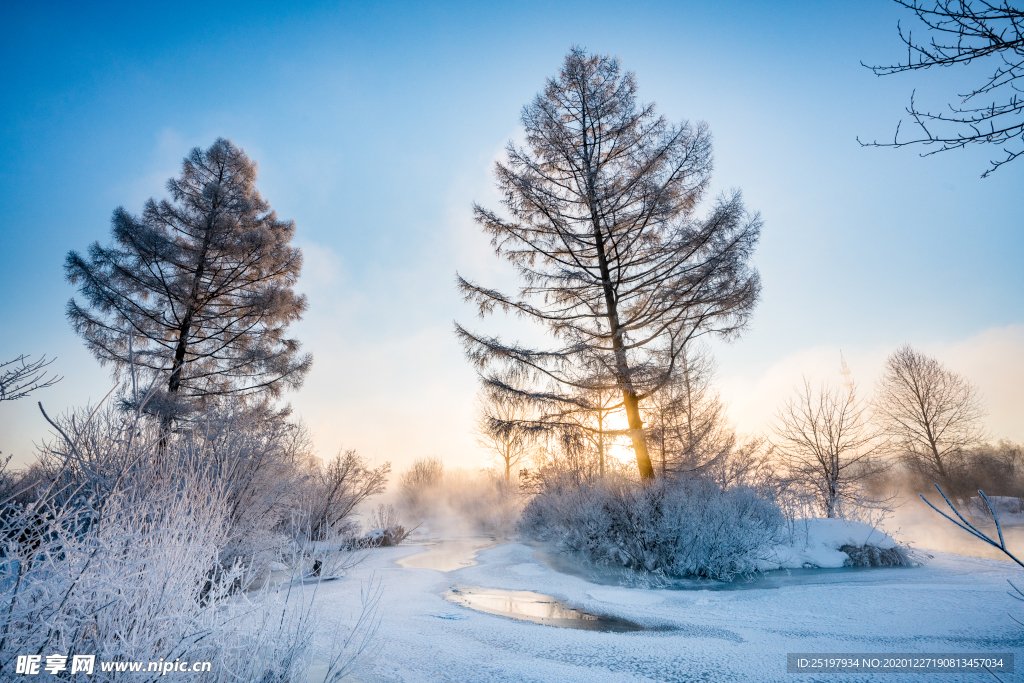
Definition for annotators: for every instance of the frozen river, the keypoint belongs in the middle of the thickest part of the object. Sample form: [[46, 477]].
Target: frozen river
[[951, 604]]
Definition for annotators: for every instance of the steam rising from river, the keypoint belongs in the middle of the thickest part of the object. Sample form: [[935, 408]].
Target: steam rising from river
[[916, 524]]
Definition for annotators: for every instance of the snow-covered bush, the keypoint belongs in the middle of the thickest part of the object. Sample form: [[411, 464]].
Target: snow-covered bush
[[266, 463], [334, 491], [381, 537], [122, 576], [116, 546], [873, 556], [385, 530], [682, 527], [279, 496]]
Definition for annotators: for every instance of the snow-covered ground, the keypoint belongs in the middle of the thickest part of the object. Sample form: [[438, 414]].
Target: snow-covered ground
[[950, 604]]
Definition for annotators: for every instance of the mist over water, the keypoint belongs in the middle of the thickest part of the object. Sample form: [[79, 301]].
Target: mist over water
[[917, 525], [459, 513]]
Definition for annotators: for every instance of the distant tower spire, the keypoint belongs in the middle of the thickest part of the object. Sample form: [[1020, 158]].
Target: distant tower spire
[[845, 372]]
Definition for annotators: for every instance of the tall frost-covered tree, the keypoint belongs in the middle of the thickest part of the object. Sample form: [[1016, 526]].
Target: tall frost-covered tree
[[198, 287], [932, 413], [602, 225], [825, 442]]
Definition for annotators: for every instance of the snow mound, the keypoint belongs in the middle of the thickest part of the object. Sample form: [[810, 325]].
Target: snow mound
[[817, 543]]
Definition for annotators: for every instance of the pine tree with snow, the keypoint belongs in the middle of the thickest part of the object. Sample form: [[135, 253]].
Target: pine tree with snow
[[197, 290]]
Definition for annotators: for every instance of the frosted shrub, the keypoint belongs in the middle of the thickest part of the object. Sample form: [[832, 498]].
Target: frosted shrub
[[265, 462], [872, 556], [116, 547], [123, 575], [282, 503], [685, 527], [332, 495], [385, 529]]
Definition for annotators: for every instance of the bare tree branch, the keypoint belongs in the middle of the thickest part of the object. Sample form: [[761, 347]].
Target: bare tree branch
[[20, 377], [960, 32]]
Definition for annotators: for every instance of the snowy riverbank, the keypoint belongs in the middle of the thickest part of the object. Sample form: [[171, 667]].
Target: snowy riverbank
[[952, 603]]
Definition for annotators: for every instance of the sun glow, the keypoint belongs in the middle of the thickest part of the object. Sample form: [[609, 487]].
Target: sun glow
[[623, 452], [619, 447]]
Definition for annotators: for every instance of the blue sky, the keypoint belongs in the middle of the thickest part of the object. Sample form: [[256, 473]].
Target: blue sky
[[376, 126]]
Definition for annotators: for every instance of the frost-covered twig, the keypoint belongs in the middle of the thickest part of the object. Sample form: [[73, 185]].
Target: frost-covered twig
[[973, 531], [22, 379], [361, 636]]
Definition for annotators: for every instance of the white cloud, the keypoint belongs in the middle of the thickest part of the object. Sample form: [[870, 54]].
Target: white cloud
[[992, 359], [321, 266]]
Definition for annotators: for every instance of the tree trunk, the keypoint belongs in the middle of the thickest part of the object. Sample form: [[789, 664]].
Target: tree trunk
[[174, 382], [636, 435], [623, 378]]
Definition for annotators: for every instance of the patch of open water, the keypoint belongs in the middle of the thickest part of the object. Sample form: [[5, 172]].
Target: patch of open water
[[449, 554], [536, 608]]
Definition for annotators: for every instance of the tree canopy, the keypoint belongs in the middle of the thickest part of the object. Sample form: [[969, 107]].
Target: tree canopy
[[601, 224], [196, 290]]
